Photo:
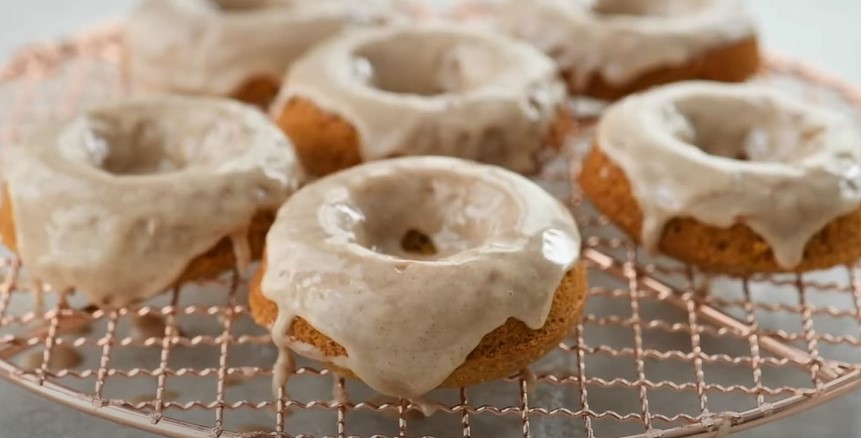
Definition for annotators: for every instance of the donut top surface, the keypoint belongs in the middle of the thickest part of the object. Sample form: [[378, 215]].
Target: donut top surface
[[622, 39], [408, 263], [434, 89], [726, 154], [215, 46], [117, 202]]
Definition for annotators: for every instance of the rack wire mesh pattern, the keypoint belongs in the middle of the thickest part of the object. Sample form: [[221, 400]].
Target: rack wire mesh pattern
[[663, 350]]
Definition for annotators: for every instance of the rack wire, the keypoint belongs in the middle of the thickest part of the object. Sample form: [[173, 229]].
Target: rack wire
[[662, 351]]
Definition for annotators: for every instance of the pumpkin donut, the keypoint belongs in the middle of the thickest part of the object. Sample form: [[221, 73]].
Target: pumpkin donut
[[777, 189], [135, 196], [426, 89], [420, 272], [613, 48], [235, 48]]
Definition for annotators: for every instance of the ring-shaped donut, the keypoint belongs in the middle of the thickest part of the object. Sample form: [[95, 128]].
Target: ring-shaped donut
[[613, 48], [134, 196], [425, 89], [738, 178], [418, 272], [235, 48]]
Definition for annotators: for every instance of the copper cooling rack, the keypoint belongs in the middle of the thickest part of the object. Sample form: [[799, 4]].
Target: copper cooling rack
[[663, 351]]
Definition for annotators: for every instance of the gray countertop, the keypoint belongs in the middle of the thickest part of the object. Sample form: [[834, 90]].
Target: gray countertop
[[826, 32]]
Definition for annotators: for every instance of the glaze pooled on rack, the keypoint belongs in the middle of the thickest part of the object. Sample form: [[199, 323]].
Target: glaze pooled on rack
[[408, 318], [432, 89], [119, 201], [785, 169]]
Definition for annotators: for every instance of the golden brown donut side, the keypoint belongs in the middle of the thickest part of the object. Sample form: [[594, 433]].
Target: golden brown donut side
[[7, 222], [736, 62], [259, 91], [326, 143], [216, 260], [506, 350], [221, 258], [736, 249]]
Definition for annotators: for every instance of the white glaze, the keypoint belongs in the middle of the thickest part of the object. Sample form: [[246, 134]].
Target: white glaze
[[649, 34], [803, 166], [407, 321], [195, 46], [455, 90], [121, 198]]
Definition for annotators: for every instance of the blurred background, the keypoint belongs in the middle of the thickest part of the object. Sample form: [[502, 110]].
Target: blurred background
[[826, 33]]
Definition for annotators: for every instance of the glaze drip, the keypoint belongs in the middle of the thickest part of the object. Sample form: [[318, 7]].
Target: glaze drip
[[785, 169], [241, 249], [408, 320]]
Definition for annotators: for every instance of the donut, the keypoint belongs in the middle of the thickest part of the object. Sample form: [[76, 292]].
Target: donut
[[420, 272], [135, 196], [427, 89], [613, 48], [232, 48], [731, 177]]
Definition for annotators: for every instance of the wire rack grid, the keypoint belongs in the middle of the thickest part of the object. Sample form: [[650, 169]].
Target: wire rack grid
[[662, 351]]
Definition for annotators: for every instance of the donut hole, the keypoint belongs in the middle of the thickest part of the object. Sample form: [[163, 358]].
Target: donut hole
[[649, 8], [425, 217], [126, 149], [744, 130], [427, 63], [147, 139], [416, 242]]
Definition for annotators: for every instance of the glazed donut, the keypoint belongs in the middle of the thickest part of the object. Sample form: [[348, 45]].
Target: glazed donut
[[135, 196], [427, 89], [616, 47], [419, 272], [237, 48], [777, 189]]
